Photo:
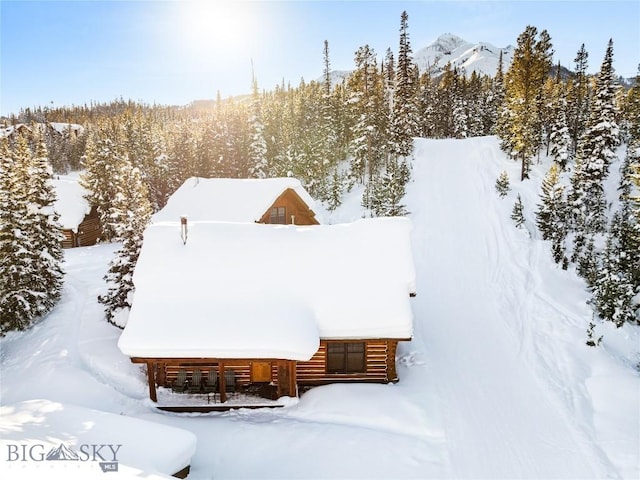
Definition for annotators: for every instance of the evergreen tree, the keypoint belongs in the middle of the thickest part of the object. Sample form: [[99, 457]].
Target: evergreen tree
[[16, 268], [494, 100], [587, 259], [517, 214], [614, 288], [389, 189], [30, 248], [405, 113], [14, 308], [366, 101], [595, 153], [551, 213], [258, 167], [559, 136], [44, 232], [459, 111], [103, 155], [132, 209], [521, 132], [502, 184], [335, 191], [427, 106], [578, 98], [476, 106]]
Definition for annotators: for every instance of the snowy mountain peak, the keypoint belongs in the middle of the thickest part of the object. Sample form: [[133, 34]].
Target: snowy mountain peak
[[446, 43], [468, 57]]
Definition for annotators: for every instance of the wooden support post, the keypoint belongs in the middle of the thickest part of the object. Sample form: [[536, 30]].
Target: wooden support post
[[392, 375], [152, 381], [161, 378], [221, 381], [293, 386]]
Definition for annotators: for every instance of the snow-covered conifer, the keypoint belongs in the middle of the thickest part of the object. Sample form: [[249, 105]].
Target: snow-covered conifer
[[258, 164], [551, 213], [595, 153], [132, 208], [517, 214], [502, 184]]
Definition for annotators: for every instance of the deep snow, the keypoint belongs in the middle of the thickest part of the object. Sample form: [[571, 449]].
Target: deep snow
[[497, 382]]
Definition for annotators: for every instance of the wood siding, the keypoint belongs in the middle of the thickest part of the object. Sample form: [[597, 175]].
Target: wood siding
[[380, 365], [286, 375], [88, 232], [294, 206]]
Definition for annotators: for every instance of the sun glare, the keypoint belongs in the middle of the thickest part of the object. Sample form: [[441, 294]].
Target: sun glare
[[216, 28]]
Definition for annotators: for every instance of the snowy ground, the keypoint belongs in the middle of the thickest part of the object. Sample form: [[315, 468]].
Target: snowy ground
[[497, 382]]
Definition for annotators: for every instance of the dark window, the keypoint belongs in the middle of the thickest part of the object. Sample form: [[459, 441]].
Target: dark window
[[346, 357], [277, 216]]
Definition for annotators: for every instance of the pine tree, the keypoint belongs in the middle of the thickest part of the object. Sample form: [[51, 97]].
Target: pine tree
[[388, 190], [495, 101], [44, 232], [502, 184], [258, 165], [614, 288], [16, 268], [551, 213], [587, 259], [578, 98], [132, 209], [103, 155], [559, 136], [405, 113], [517, 214], [335, 191], [14, 312], [595, 153], [521, 129], [459, 113], [30, 248], [366, 101]]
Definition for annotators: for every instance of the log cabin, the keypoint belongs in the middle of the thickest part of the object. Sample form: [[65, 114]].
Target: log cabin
[[281, 201], [284, 307], [79, 220]]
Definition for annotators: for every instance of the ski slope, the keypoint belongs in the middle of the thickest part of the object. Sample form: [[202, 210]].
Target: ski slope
[[484, 308], [496, 383]]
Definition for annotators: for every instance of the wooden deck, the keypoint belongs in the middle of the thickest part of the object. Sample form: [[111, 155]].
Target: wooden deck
[[204, 403]]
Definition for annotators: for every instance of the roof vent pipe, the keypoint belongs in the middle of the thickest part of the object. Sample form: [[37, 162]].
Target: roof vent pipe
[[183, 229]]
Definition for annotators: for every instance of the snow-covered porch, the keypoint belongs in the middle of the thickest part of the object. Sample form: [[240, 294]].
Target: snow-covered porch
[[239, 383], [211, 402]]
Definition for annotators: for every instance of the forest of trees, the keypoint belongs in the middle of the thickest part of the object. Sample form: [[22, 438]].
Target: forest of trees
[[334, 137]]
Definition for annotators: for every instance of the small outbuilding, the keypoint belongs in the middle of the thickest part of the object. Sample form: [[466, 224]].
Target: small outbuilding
[[79, 220]]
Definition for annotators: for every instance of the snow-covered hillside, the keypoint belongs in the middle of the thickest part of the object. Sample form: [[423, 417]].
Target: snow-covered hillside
[[496, 383]]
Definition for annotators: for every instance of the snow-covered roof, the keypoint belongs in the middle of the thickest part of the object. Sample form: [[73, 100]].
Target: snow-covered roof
[[266, 291], [61, 128], [67, 432], [228, 199], [70, 203]]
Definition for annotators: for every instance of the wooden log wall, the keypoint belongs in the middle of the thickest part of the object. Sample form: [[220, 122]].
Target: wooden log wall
[[88, 232], [380, 365], [69, 240]]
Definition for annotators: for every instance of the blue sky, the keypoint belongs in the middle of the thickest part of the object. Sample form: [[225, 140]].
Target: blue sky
[[173, 52]]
